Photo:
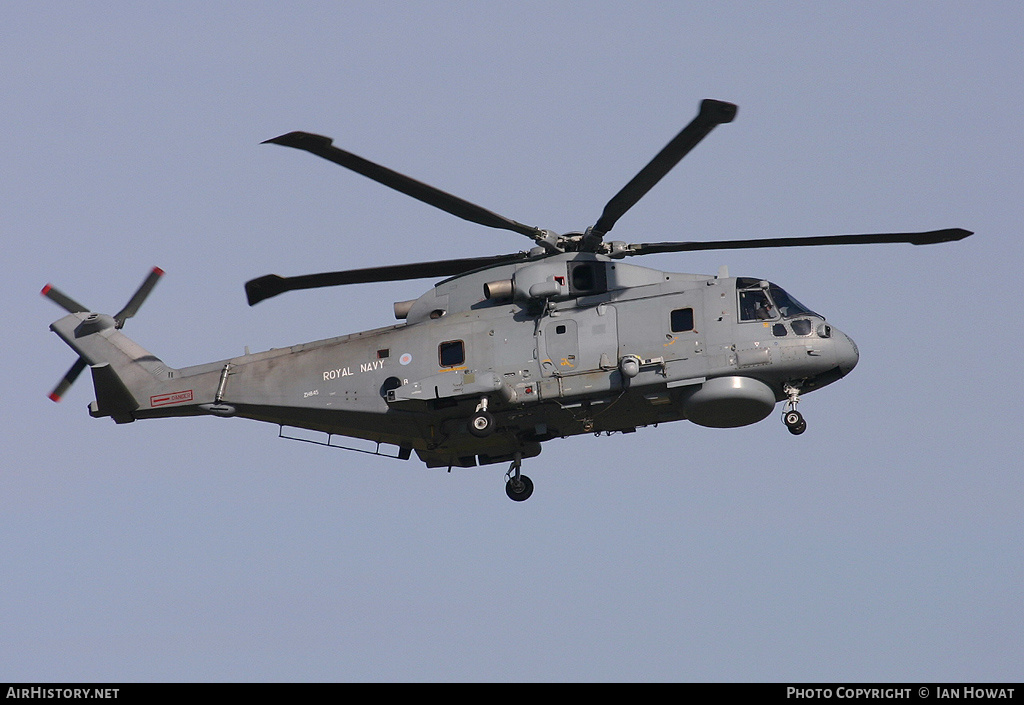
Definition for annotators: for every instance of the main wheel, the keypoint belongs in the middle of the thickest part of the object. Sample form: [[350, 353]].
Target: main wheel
[[481, 424], [521, 490]]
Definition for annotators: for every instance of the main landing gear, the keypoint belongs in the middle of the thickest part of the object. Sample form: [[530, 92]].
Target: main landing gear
[[481, 423], [518, 487], [793, 419]]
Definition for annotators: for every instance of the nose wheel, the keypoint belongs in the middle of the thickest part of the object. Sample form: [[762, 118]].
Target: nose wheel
[[518, 487], [793, 419]]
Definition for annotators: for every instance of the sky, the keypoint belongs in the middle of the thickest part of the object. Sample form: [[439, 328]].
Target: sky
[[884, 544]]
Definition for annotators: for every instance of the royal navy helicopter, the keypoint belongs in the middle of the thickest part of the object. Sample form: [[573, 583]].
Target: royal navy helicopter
[[507, 351]]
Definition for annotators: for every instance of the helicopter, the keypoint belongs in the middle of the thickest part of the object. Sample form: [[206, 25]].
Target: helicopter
[[506, 351]]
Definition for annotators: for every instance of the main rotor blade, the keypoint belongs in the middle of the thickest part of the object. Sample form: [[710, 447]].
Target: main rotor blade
[[264, 287], [712, 113], [924, 238], [63, 300], [323, 147], [132, 307], [62, 387]]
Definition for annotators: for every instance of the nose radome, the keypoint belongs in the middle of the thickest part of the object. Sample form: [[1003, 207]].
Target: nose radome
[[846, 352]]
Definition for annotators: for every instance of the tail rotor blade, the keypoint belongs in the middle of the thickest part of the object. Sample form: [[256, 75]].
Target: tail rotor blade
[[63, 300], [62, 387], [132, 307]]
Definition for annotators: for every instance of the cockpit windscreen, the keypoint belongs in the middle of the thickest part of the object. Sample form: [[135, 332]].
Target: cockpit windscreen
[[786, 305], [760, 301]]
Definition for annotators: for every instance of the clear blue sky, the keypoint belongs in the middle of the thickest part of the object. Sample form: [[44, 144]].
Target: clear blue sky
[[885, 543]]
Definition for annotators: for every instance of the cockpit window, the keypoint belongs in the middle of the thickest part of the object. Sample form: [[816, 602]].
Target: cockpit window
[[755, 306], [762, 301], [786, 304], [801, 326]]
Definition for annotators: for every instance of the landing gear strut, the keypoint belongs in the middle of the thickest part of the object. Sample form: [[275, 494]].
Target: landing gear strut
[[793, 419], [518, 487]]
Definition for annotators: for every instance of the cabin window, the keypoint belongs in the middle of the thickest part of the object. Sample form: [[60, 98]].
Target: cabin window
[[681, 320], [779, 330], [560, 330], [384, 353], [451, 352]]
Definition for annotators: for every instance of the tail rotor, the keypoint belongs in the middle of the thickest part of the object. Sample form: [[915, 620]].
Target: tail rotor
[[72, 306]]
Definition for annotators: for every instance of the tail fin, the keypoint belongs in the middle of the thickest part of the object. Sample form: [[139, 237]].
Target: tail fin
[[118, 363]]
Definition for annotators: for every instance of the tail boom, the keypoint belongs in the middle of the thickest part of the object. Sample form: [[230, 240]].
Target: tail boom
[[130, 382]]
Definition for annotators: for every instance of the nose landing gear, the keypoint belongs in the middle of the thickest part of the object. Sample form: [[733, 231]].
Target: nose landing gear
[[518, 487], [793, 419]]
